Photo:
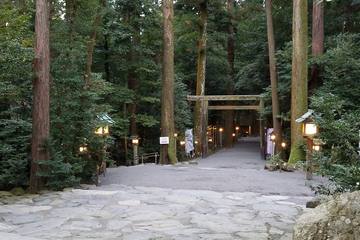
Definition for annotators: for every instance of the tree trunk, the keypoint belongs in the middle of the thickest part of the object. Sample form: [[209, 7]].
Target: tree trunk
[[273, 76], [299, 84], [133, 82], [70, 12], [106, 48], [167, 152], [21, 5], [41, 97], [107, 58], [92, 42], [133, 85], [126, 138], [317, 42], [229, 115], [200, 75], [350, 9]]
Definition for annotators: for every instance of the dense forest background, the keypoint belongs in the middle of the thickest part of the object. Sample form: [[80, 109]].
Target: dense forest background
[[106, 58]]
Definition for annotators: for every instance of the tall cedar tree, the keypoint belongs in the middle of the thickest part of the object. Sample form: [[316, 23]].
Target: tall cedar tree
[[167, 152], [41, 98], [92, 42], [133, 81], [273, 76], [299, 79], [200, 123], [229, 114], [317, 41]]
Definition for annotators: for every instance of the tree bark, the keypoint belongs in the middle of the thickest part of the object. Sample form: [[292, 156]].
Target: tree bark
[[133, 82], [21, 5], [167, 152], [106, 48], [350, 9], [107, 58], [273, 76], [299, 84], [41, 97], [317, 42], [229, 115], [70, 12], [200, 75], [133, 85], [91, 44]]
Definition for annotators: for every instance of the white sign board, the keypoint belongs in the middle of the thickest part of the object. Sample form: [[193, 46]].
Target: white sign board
[[164, 140]]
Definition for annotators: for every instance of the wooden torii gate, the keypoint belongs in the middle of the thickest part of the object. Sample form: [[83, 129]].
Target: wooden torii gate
[[205, 107]]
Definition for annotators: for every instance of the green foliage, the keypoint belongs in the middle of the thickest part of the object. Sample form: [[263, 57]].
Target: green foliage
[[276, 160], [57, 172], [342, 68], [337, 109], [339, 128], [146, 120], [14, 153], [251, 48], [343, 178], [348, 178], [15, 96], [74, 108], [183, 118]]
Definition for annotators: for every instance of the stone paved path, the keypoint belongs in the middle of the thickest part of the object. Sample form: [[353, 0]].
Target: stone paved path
[[142, 210]]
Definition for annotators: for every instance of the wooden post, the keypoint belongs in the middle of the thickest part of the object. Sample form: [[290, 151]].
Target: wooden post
[[309, 175], [261, 126], [135, 153], [204, 124]]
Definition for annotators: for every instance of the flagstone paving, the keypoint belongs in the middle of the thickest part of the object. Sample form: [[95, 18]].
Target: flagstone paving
[[154, 211], [135, 213]]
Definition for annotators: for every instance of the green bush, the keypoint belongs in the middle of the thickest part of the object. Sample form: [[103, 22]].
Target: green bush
[[337, 107], [14, 153]]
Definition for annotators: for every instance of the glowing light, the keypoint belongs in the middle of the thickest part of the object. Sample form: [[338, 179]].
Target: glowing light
[[316, 148], [233, 134], [175, 135], [221, 129], [182, 143], [99, 131], [272, 137], [83, 149], [135, 141], [283, 144], [310, 129], [106, 130], [102, 130]]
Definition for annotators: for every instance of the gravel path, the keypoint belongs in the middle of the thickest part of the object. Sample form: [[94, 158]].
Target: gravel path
[[239, 169], [227, 196]]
